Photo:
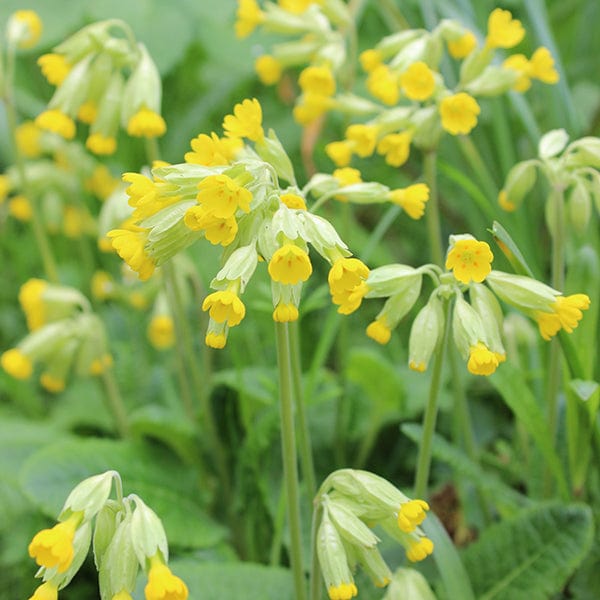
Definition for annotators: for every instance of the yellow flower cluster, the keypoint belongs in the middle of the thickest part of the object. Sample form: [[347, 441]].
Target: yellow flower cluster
[[102, 92]]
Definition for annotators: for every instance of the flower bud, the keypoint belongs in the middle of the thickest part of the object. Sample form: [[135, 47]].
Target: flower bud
[[89, 496], [322, 235], [106, 523], [408, 583], [24, 28], [147, 533], [474, 65], [488, 308], [372, 562], [579, 206], [425, 334], [493, 81], [519, 182], [552, 143], [467, 326], [239, 266], [271, 151]]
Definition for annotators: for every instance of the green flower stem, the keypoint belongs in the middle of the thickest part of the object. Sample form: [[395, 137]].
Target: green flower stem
[[315, 569], [290, 462], [557, 229], [39, 232], [434, 228], [429, 417], [305, 446], [114, 402], [476, 162]]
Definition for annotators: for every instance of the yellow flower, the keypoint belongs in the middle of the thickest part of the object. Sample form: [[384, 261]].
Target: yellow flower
[[459, 113], [216, 230], [46, 591], [100, 144], [482, 361], [215, 340], [122, 595], [146, 123], [343, 591], [289, 265], [297, 7], [56, 121], [419, 550], [161, 332], [248, 16], [16, 364], [311, 106], [246, 121], [221, 196], [347, 284], [566, 314], [503, 30], [88, 112], [54, 547], [51, 383], [285, 313], [395, 147], [382, 83], [213, 150], [54, 67], [470, 260], [293, 201], [541, 66], [520, 64], [101, 182], [28, 139], [5, 187], [317, 80], [370, 59], [268, 69], [379, 331], [162, 584], [463, 46], [340, 152], [364, 138], [32, 303], [20, 208], [130, 246], [100, 365], [32, 27], [347, 176], [412, 199], [418, 82], [224, 307], [411, 514]]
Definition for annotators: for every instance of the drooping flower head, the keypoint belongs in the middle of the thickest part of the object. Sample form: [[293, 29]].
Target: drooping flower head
[[347, 284]]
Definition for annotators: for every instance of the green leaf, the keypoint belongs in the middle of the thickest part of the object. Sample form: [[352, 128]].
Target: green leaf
[[510, 383], [530, 557], [164, 484], [510, 250], [218, 581], [468, 469], [455, 578]]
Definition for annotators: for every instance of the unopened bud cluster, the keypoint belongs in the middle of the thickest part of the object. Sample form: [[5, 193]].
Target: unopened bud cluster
[[350, 503], [572, 170], [125, 534]]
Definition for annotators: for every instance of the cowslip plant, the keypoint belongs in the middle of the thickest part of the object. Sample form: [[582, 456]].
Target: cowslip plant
[[348, 505], [125, 534]]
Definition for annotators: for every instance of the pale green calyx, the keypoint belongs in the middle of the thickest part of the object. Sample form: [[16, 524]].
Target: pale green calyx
[[147, 533], [467, 326], [89, 496], [552, 143], [120, 565], [408, 583], [240, 265], [520, 291]]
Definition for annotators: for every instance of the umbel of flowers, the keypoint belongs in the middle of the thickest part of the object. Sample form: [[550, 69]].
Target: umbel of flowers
[[104, 79], [126, 535], [415, 105], [572, 169], [348, 506], [230, 192], [65, 336], [476, 322]]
